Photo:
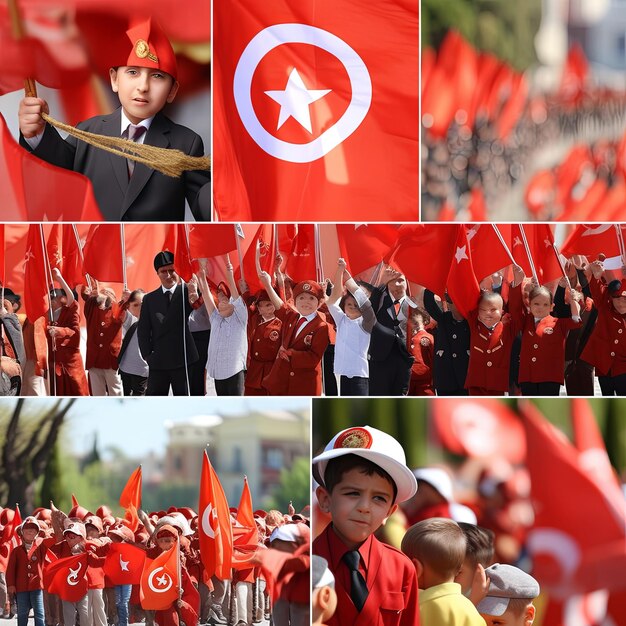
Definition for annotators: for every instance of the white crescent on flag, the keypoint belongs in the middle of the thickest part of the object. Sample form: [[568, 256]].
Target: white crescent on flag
[[72, 578], [209, 522], [164, 581]]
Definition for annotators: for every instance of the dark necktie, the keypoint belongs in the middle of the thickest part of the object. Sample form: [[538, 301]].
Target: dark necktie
[[358, 587], [134, 133], [168, 297], [397, 305]]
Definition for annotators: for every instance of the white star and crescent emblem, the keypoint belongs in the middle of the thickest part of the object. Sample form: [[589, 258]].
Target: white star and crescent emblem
[[296, 98], [210, 524], [72, 578], [123, 565], [461, 253], [295, 101], [164, 581]]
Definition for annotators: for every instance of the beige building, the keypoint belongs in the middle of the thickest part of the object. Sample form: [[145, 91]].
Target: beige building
[[257, 444]]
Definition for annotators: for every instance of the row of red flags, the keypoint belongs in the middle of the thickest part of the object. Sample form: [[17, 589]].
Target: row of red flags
[[438, 256], [578, 538]]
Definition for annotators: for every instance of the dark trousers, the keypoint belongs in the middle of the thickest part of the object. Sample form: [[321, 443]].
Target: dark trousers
[[613, 385], [452, 392], [232, 386], [159, 382], [330, 382], [133, 385], [390, 377], [355, 386], [197, 370], [540, 389]]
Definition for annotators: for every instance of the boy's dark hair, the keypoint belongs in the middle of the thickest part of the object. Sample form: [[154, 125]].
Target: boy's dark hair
[[437, 542], [134, 294], [480, 544], [337, 467], [342, 302], [539, 290], [486, 296]]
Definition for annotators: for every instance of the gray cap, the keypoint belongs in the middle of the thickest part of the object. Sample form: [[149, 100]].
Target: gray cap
[[321, 576], [506, 582]]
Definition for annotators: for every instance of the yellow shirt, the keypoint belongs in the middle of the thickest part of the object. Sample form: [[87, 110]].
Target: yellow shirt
[[445, 605]]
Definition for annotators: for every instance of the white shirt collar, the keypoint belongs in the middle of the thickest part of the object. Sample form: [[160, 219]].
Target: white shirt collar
[[309, 317], [172, 290], [126, 122]]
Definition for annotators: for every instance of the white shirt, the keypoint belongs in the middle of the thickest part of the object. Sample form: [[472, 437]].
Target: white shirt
[[310, 317], [352, 342], [125, 123], [228, 344]]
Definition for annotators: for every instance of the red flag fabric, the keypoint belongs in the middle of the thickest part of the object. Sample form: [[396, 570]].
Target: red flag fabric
[[160, 583], [103, 253], [209, 240], [575, 549], [131, 494], [574, 75], [67, 577], [9, 534], [477, 205], [264, 234], [489, 253], [36, 281], [245, 532], [245, 512], [300, 258], [462, 284], [214, 528], [365, 245], [71, 256], [33, 190], [124, 563], [541, 247], [592, 240], [177, 242], [3, 264], [423, 253], [479, 429], [303, 94]]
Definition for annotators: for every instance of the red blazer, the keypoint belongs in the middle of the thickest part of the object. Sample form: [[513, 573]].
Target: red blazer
[[606, 348], [265, 339], [104, 334], [302, 374], [390, 577], [25, 570]]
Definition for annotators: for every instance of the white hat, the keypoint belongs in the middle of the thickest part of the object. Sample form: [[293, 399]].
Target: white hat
[[290, 532], [77, 529], [438, 479], [462, 513], [375, 446]]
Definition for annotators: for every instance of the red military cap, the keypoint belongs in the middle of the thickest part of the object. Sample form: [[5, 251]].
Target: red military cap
[[308, 286], [149, 47]]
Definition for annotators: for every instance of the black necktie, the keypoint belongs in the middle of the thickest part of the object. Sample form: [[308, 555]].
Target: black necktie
[[358, 587], [168, 295]]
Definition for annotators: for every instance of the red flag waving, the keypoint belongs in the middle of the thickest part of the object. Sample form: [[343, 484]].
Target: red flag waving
[[177, 242], [592, 240], [124, 563], [264, 235], [160, 582], [245, 532], [71, 256], [489, 252], [365, 245], [214, 528], [130, 498], [36, 280], [67, 577], [462, 284], [208, 240], [300, 257], [315, 118], [103, 253]]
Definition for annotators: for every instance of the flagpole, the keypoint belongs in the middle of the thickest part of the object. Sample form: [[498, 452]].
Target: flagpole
[[80, 252], [620, 241], [123, 241], [530, 258], [48, 274], [319, 265], [558, 258], [239, 252], [501, 238]]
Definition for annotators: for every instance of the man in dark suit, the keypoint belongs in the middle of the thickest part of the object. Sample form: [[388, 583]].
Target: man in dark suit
[[144, 77], [163, 332], [390, 360]]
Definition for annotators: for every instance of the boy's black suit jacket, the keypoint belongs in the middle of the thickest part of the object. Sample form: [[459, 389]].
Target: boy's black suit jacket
[[149, 195]]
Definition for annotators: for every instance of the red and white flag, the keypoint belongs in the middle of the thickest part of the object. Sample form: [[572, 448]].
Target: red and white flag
[[462, 284], [214, 527], [315, 118], [103, 258], [36, 275], [67, 578], [364, 246], [160, 580], [124, 563]]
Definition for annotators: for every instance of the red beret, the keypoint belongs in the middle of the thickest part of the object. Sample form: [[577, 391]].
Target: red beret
[[308, 286], [149, 47]]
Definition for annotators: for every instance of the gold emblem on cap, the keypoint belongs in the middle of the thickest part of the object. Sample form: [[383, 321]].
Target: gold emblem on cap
[[306, 287], [142, 51], [354, 438]]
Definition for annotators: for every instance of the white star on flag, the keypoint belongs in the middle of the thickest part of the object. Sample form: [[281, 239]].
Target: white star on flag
[[295, 99], [517, 242], [27, 257], [461, 253], [548, 243], [163, 580], [124, 564]]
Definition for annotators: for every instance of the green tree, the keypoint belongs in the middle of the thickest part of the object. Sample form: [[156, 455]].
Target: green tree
[[294, 487], [52, 484]]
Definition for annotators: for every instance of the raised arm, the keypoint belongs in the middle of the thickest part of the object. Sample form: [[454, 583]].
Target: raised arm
[[66, 288], [337, 291], [230, 278], [207, 296]]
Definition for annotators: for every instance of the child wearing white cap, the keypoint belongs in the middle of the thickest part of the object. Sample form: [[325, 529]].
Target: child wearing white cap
[[363, 476], [323, 598], [509, 600]]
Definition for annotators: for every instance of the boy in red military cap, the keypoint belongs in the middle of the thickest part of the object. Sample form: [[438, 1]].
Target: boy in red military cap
[[297, 370], [144, 75]]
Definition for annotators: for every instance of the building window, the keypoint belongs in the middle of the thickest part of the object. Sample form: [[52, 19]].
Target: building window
[[621, 45], [178, 463], [274, 458], [237, 465]]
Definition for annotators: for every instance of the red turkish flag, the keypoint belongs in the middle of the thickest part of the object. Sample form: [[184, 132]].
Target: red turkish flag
[[65, 254], [540, 242], [300, 259], [315, 119], [489, 251], [462, 284], [214, 525], [36, 275], [160, 581], [103, 253], [575, 549], [592, 240], [67, 577], [482, 428], [9, 533], [264, 234], [423, 254], [177, 242], [513, 108], [130, 498], [365, 245], [35, 191], [245, 532], [209, 240], [124, 563], [3, 263], [574, 77]]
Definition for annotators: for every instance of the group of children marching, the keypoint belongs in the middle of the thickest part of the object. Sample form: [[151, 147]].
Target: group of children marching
[[41, 540]]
